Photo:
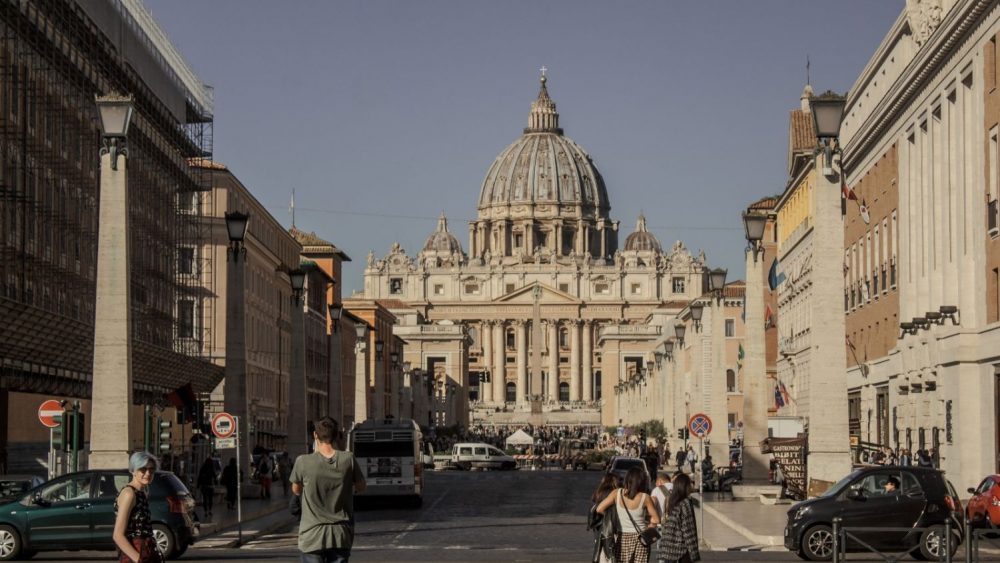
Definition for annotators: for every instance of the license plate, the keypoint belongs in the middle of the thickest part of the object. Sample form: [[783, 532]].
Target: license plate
[[383, 481]]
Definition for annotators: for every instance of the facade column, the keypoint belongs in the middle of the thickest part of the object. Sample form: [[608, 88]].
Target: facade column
[[604, 238], [586, 239], [557, 236], [553, 386], [472, 239], [499, 374], [111, 423], [486, 338], [755, 397], [579, 237], [588, 359], [717, 400], [521, 345], [360, 381], [574, 360]]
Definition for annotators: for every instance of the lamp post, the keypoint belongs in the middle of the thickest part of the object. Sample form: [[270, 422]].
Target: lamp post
[[235, 388], [718, 401], [827, 416], [111, 423], [360, 372], [336, 370], [755, 398], [297, 403]]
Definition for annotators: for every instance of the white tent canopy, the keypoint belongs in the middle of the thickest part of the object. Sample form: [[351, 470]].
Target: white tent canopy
[[520, 438]]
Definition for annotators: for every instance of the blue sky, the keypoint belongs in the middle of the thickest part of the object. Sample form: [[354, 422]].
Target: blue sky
[[383, 114]]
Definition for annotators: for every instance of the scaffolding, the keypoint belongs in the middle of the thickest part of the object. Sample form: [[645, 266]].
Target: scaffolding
[[55, 55]]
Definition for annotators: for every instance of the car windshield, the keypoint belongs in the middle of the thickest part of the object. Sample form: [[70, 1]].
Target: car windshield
[[839, 486]]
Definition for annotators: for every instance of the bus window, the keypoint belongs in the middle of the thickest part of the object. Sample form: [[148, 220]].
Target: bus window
[[383, 449]]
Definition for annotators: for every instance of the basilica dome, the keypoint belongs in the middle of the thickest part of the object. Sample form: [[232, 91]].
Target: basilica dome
[[441, 240], [641, 239], [545, 167]]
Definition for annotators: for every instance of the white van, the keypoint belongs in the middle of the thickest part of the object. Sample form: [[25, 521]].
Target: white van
[[476, 455]]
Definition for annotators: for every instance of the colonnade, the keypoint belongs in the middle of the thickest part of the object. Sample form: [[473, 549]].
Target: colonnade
[[493, 337]]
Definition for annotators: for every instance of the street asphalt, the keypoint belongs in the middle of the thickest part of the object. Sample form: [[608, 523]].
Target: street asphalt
[[466, 516]]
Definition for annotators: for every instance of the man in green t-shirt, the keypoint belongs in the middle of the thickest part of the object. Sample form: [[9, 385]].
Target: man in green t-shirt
[[326, 481]]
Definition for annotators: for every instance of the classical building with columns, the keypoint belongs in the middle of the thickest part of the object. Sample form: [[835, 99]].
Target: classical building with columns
[[551, 312]]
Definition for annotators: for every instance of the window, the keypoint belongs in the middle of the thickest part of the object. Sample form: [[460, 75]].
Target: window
[[563, 391], [636, 288], [438, 289], [508, 288], [564, 287], [730, 381], [730, 328], [396, 286], [185, 260], [563, 338], [677, 285], [185, 318], [731, 419], [108, 484], [602, 289], [994, 175], [510, 339], [510, 392], [518, 240], [472, 289], [68, 489]]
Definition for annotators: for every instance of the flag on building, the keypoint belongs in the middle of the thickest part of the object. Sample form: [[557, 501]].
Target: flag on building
[[864, 212], [779, 401], [784, 393], [845, 192], [768, 317], [184, 400], [739, 358], [774, 279]]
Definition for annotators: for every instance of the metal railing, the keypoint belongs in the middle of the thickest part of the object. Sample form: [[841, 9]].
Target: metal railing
[[842, 534]]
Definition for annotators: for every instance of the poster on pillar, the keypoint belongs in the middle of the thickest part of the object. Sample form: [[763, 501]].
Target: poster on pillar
[[789, 456]]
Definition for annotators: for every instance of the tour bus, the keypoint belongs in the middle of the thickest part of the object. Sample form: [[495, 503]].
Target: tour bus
[[390, 454]]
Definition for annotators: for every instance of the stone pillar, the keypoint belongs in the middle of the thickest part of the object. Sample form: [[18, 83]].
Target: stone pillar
[[521, 344], [336, 374], [553, 386], [378, 377], [574, 360], [756, 385], [499, 363], [486, 338], [111, 420], [579, 237], [715, 387], [472, 239], [604, 239], [360, 381], [297, 413], [588, 361], [829, 441]]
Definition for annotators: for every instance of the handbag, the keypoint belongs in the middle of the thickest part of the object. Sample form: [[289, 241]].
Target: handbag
[[647, 537]]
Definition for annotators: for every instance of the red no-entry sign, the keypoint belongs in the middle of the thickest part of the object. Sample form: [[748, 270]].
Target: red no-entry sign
[[48, 411], [223, 425]]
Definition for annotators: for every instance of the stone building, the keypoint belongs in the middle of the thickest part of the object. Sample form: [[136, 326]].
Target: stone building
[[543, 289], [920, 146]]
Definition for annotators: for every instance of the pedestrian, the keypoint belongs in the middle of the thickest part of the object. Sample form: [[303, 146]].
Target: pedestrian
[[904, 458], [605, 534], [680, 459], [662, 491], [326, 481], [924, 459], [636, 512], [133, 532], [680, 533], [691, 458], [206, 484], [283, 473], [231, 481], [264, 474]]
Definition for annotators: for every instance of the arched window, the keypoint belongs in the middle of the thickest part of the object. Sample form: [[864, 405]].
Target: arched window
[[511, 392], [730, 381], [564, 391]]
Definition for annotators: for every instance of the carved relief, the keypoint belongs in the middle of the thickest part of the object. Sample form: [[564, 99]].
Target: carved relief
[[924, 17]]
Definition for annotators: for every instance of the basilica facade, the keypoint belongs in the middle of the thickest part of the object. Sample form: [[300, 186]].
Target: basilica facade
[[543, 314]]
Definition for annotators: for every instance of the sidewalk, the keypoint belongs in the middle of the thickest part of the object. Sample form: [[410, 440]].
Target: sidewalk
[[743, 525], [259, 517]]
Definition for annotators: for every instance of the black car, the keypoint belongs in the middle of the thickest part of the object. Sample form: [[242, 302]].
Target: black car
[[620, 466], [76, 512], [924, 499]]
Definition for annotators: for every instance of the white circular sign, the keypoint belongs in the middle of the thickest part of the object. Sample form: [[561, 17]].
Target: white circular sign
[[223, 425]]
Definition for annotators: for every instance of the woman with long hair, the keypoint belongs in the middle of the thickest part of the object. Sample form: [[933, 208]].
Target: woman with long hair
[[604, 530], [133, 533], [636, 512], [680, 534]]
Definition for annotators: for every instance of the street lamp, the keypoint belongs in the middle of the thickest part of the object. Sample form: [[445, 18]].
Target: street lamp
[[336, 312], [668, 349], [394, 358], [379, 346], [828, 113], [115, 113], [697, 309], [297, 278], [754, 224], [361, 332], [298, 442], [236, 228], [679, 330], [112, 360], [717, 281]]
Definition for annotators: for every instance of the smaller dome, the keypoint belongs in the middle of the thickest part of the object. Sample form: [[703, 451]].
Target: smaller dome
[[641, 239], [441, 240]]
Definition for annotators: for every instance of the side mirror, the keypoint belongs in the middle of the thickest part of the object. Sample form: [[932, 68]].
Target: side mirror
[[855, 494], [972, 491]]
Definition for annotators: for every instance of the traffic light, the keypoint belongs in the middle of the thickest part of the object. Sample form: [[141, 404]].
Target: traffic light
[[74, 435], [680, 433], [165, 435], [59, 432]]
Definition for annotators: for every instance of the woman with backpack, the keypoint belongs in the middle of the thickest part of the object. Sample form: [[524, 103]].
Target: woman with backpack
[[636, 513], [680, 533]]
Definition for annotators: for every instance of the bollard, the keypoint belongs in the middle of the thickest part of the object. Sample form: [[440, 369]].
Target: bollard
[[969, 538], [947, 542], [836, 539]]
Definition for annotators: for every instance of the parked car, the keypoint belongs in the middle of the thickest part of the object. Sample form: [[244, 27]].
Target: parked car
[[12, 487], [76, 512], [983, 509], [620, 465], [923, 502]]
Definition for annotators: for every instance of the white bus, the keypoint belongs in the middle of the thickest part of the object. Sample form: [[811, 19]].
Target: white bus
[[389, 452]]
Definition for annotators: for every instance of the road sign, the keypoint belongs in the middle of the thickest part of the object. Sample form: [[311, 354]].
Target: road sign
[[48, 411], [700, 425], [223, 425], [225, 443]]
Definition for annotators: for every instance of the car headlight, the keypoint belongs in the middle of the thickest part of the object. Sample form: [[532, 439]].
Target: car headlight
[[800, 513]]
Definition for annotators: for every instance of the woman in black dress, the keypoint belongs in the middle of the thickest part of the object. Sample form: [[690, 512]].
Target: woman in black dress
[[133, 533], [230, 480], [206, 484]]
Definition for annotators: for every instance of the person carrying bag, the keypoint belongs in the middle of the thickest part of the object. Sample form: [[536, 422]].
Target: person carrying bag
[[680, 533], [630, 546]]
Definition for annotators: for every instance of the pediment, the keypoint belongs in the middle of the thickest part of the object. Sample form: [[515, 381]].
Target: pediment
[[526, 295]]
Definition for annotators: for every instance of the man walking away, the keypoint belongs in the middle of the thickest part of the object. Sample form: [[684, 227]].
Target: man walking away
[[326, 480], [680, 459]]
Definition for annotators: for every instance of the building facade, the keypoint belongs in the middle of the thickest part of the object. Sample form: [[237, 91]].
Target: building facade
[[543, 286]]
